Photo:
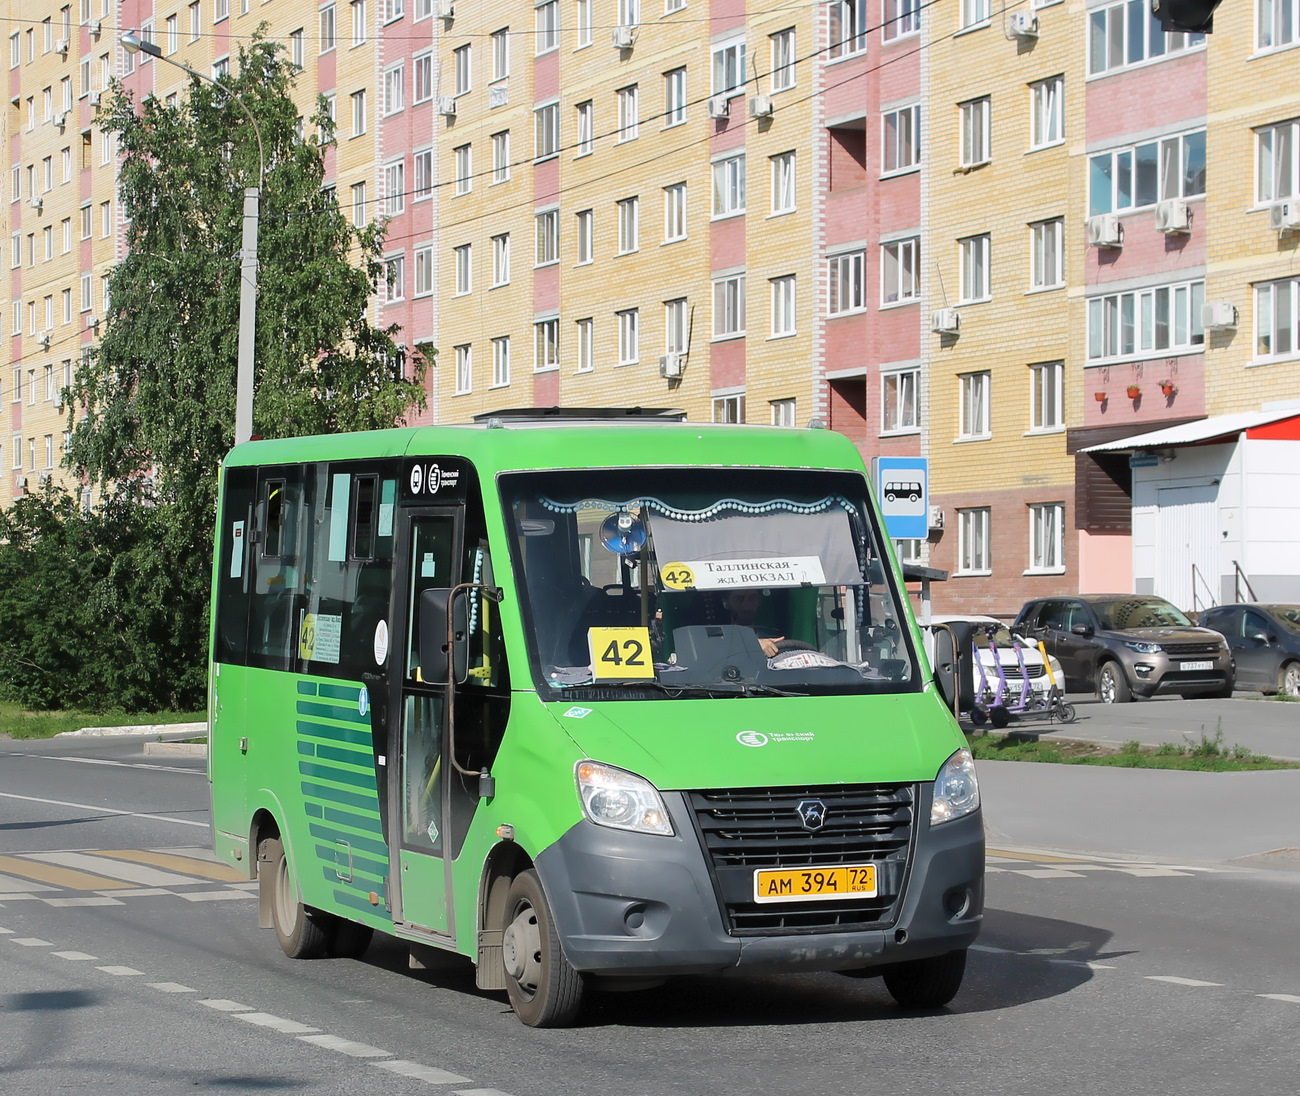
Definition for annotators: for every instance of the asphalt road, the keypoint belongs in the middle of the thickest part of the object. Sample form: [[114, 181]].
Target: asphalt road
[[1095, 974]]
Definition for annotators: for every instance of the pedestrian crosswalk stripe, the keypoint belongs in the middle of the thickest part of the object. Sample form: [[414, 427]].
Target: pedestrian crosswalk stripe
[[64, 877]]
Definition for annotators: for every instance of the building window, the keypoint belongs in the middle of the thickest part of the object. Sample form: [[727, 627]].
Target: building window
[[974, 13], [1277, 160], [629, 336], [548, 26], [462, 59], [546, 131], [729, 307], [327, 40], [901, 132], [1047, 537], [546, 345], [1046, 396], [424, 271], [501, 259], [463, 167], [783, 297], [729, 68], [1277, 318], [676, 326], [975, 117], [584, 226], [395, 278], [901, 17], [501, 53], [974, 405], [674, 212], [848, 28], [782, 412], [1127, 34], [783, 59], [846, 283], [674, 97], [900, 278], [501, 361], [898, 401], [973, 548], [464, 369], [975, 268], [1141, 175], [422, 164], [783, 189], [729, 409], [548, 237], [585, 340], [464, 268], [501, 157], [729, 186], [586, 133], [1166, 317], [1047, 112], [394, 188], [358, 112], [1047, 254], [629, 225], [423, 66]]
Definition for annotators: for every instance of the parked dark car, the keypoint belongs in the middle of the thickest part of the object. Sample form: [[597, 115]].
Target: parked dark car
[[1265, 644], [1127, 645]]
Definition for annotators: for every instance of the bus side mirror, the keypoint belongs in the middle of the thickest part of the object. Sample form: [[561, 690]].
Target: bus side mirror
[[435, 606], [945, 664]]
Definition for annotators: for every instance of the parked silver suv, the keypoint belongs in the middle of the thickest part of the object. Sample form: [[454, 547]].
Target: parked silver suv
[[1127, 645]]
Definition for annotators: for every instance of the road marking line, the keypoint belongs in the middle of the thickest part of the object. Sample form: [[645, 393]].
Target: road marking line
[[104, 810], [170, 987], [428, 1074], [190, 865], [30, 942], [212, 896], [140, 874], [1173, 980], [101, 901], [124, 972], [74, 956], [1290, 998], [222, 1005], [60, 877], [345, 1046], [277, 1023]]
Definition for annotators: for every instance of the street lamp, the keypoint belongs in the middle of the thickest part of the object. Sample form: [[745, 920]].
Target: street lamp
[[133, 43]]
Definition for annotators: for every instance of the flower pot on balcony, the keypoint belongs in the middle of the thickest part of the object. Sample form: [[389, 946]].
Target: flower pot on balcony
[[1134, 391]]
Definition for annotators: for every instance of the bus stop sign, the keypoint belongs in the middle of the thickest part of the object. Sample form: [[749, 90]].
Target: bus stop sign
[[903, 488]]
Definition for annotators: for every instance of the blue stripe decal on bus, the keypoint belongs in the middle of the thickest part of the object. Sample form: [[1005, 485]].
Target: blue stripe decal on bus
[[365, 844], [341, 776], [335, 734], [337, 795]]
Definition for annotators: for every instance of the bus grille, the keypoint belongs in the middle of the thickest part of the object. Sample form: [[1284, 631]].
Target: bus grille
[[746, 829]]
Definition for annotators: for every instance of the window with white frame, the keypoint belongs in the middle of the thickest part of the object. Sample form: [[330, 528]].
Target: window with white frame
[[729, 408], [547, 26], [783, 59], [463, 60], [898, 401], [674, 97], [586, 129], [1277, 319], [629, 113], [729, 186], [974, 551], [1047, 254], [547, 225], [1127, 33], [783, 305], [1047, 396], [584, 232], [782, 412], [546, 345], [974, 13], [1047, 536], [395, 277], [501, 259], [501, 157], [395, 89], [975, 259], [422, 175], [1047, 112], [848, 28], [462, 159], [358, 112], [629, 336], [394, 188], [464, 355], [974, 405], [1142, 175], [501, 361], [359, 31], [464, 269], [583, 20], [729, 68], [674, 212], [423, 271], [546, 131], [900, 277], [676, 326], [500, 53], [783, 182], [902, 17], [900, 132], [1277, 24], [629, 225], [585, 345], [1166, 317], [846, 283], [1277, 161], [975, 128], [423, 66], [729, 307]]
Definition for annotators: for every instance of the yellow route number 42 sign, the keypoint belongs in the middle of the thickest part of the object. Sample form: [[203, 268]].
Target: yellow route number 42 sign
[[620, 653]]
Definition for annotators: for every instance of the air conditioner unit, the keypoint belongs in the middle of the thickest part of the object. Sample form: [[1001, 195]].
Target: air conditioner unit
[[760, 106], [719, 106], [95, 97], [61, 119], [945, 321], [446, 9], [1218, 314], [61, 45], [447, 106], [36, 201], [1023, 24], [1105, 230], [1173, 216], [623, 37], [1284, 216], [94, 26], [670, 365], [936, 517]]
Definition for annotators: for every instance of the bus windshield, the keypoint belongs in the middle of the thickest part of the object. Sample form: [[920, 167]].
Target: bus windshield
[[646, 582]]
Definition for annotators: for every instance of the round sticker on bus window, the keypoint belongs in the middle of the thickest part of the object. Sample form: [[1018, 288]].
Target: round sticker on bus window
[[381, 642], [678, 576]]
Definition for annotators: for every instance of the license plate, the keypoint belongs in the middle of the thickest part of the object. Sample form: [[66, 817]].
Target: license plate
[[815, 884], [1197, 666]]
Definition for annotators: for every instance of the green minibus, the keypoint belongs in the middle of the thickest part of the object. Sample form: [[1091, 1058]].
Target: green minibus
[[592, 700]]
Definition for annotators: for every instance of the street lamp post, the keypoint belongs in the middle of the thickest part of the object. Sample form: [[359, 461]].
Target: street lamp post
[[133, 43]]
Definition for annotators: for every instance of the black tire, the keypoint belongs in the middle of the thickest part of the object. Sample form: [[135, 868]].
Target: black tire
[[545, 991], [926, 983], [303, 932], [349, 940], [1112, 685]]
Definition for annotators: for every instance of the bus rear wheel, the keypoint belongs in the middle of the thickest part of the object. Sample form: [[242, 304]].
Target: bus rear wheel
[[545, 991], [301, 931]]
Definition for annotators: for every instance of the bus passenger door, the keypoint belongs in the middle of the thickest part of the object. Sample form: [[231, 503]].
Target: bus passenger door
[[419, 812]]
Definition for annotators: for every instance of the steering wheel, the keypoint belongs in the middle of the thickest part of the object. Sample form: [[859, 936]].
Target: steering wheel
[[793, 645]]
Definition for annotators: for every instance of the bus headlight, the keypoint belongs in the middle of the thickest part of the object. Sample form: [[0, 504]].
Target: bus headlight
[[956, 789], [620, 800]]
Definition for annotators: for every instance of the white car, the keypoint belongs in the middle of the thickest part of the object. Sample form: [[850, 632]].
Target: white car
[[973, 633]]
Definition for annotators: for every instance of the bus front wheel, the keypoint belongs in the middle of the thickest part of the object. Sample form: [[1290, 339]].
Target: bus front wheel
[[545, 991], [300, 930]]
